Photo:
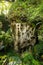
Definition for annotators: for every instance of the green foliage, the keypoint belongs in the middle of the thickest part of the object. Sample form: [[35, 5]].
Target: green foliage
[[25, 12], [4, 7], [2, 34], [39, 47], [2, 57], [27, 56], [30, 11], [38, 50], [6, 38], [28, 59]]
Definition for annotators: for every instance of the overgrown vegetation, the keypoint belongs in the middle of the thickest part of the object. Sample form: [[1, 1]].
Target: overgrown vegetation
[[29, 11]]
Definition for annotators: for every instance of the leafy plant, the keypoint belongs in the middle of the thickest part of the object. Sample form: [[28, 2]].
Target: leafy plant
[[38, 50]]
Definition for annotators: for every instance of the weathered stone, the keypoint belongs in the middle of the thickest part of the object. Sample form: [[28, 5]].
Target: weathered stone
[[23, 34]]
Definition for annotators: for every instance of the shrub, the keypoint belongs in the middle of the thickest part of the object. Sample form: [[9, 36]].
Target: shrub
[[38, 50]]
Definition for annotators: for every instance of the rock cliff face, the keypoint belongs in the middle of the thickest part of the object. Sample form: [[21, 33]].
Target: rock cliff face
[[23, 34]]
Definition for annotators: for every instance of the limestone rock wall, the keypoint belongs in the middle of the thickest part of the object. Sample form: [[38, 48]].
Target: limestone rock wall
[[23, 35]]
